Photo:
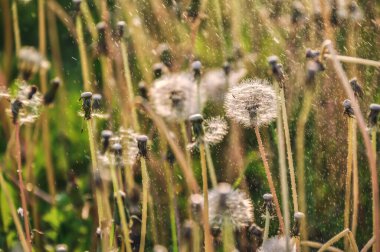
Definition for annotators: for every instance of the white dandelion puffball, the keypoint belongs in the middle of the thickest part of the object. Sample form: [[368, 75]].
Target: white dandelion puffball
[[174, 96], [277, 244], [226, 202], [251, 103], [215, 130]]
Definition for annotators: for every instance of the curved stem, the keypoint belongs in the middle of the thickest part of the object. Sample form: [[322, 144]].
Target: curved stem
[[145, 185], [206, 225], [270, 180]]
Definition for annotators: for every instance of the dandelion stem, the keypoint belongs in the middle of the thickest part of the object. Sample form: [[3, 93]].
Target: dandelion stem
[[196, 237], [185, 137], [289, 151], [228, 235], [145, 185], [270, 180], [16, 27], [368, 245], [173, 225], [334, 239], [313, 244], [82, 53], [354, 60], [26, 246], [267, 223], [347, 197], [206, 225], [370, 151], [355, 203], [210, 165], [120, 206]]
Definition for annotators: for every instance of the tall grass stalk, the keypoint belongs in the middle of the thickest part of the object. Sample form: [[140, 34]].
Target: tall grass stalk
[[16, 26], [152, 217], [206, 225], [120, 206], [347, 197], [22, 187], [317, 245], [282, 161], [367, 142], [210, 166], [368, 245], [270, 180], [82, 53], [26, 245], [300, 153], [186, 141], [345, 233], [145, 191], [355, 180]]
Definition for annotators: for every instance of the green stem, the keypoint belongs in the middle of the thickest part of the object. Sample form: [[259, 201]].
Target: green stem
[[16, 26], [267, 223], [145, 184], [228, 235], [210, 165], [83, 54]]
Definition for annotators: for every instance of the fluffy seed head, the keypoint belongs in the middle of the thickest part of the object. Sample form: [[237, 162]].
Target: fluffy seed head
[[174, 96], [224, 201], [129, 141], [277, 244], [215, 129], [252, 103], [30, 61]]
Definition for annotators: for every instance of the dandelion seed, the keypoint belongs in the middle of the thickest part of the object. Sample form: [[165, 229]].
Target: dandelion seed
[[277, 244], [129, 141], [226, 202], [252, 103], [174, 96]]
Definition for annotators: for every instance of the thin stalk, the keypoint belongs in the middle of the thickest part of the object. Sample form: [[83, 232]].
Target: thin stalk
[[228, 235], [186, 141], [334, 239], [270, 180], [91, 26], [210, 165], [289, 151], [206, 224], [196, 237], [347, 197], [283, 173], [16, 26], [300, 153], [354, 60], [145, 185], [367, 142], [267, 224], [153, 224], [26, 246], [368, 245], [22, 188], [373, 142], [120, 206], [82, 54], [355, 203], [313, 244], [171, 195]]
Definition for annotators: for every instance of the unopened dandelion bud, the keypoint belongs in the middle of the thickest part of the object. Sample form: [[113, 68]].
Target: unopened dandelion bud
[[166, 56], [187, 230], [373, 114], [215, 231], [102, 45], [159, 248], [50, 95], [98, 180], [196, 202], [312, 54], [193, 9], [196, 121], [120, 29], [15, 109], [142, 144], [356, 87], [86, 98], [32, 92], [143, 91], [158, 70], [276, 67], [96, 102], [196, 67], [268, 201], [106, 135], [170, 156], [348, 110], [298, 217], [226, 68], [61, 248]]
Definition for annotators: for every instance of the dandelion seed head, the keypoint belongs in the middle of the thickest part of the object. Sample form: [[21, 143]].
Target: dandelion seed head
[[277, 244], [174, 96], [129, 141], [224, 201], [30, 61], [214, 83], [251, 103], [215, 129]]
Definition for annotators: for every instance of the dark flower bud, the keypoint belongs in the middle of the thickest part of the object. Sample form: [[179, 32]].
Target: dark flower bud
[[298, 217], [50, 95], [313, 67], [106, 135], [298, 12], [312, 54], [15, 109], [196, 66], [32, 92], [357, 88], [158, 70], [223, 189], [348, 111], [277, 70], [196, 203], [102, 45], [273, 60], [117, 150], [196, 121], [373, 114], [193, 9], [142, 144], [216, 231], [96, 102], [226, 68], [166, 56], [170, 157], [120, 29], [98, 180], [256, 233], [86, 98], [268, 202], [143, 91], [187, 230]]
